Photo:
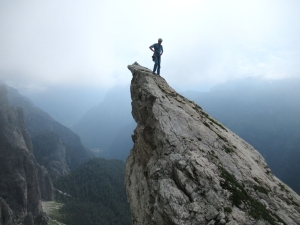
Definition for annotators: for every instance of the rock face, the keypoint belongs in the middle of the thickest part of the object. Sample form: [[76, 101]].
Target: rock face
[[187, 168], [56, 147], [51, 152], [20, 174]]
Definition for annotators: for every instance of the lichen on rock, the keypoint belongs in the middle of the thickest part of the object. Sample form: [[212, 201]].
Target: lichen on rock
[[187, 168]]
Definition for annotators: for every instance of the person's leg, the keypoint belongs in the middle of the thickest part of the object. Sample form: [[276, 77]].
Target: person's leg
[[158, 65], [155, 64]]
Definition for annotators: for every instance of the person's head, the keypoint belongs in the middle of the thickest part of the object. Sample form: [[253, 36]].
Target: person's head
[[159, 40]]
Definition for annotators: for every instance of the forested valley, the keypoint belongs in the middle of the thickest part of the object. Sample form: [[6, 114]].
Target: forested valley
[[94, 193]]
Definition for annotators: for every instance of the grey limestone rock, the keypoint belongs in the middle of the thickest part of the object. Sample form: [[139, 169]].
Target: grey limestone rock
[[212, 222], [187, 168], [211, 213], [55, 146], [45, 184], [19, 172], [6, 214], [233, 222]]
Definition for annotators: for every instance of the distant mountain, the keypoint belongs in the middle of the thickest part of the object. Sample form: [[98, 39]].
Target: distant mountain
[[74, 102], [56, 147], [108, 126], [265, 114], [98, 194], [121, 144], [24, 183]]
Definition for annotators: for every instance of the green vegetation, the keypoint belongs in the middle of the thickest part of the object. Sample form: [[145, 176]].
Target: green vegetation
[[224, 139], [206, 124], [261, 189], [52, 209], [227, 210], [212, 153], [227, 149], [205, 114], [239, 195], [295, 203], [215, 122], [283, 188], [255, 178], [98, 194]]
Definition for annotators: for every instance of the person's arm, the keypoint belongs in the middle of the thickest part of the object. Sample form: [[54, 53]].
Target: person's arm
[[162, 50], [151, 48]]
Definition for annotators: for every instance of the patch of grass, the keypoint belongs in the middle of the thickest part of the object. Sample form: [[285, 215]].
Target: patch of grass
[[205, 114], [227, 210], [228, 150], [255, 178], [206, 124], [282, 187], [295, 203], [239, 195], [261, 189], [180, 96], [199, 107], [238, 192], [52, 209], [224, 139], [215, 122]]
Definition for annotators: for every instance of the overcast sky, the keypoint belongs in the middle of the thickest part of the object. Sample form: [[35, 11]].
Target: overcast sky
[[89, 43]]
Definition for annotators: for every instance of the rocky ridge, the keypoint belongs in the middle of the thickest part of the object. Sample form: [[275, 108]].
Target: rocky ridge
[[187, 168], [23, 181]]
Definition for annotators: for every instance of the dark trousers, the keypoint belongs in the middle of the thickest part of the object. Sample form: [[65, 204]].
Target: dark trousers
[[156, 64]]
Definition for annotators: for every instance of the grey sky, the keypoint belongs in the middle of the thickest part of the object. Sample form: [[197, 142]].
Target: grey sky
[[90, 43]]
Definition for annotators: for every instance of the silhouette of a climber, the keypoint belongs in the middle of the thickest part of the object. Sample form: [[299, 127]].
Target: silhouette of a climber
[[157, 48]]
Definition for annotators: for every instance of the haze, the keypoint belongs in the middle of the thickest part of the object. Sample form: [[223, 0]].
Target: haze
[[83, 47], [46, 43]]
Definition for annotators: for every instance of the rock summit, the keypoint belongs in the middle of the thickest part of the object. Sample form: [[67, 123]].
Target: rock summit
[[188, 168]]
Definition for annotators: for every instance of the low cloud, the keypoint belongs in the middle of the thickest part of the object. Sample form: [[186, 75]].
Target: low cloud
[[46, 43]]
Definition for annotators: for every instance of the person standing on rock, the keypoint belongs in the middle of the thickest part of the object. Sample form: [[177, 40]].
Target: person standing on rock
[[157, 48]]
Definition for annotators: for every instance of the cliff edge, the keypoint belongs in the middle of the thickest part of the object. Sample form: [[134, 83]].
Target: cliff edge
[[187, 168]]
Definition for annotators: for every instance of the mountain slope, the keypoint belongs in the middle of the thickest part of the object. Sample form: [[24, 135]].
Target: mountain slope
[[187, 168], [100, 125], [23, 182], [98, 194], [67, 145]]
